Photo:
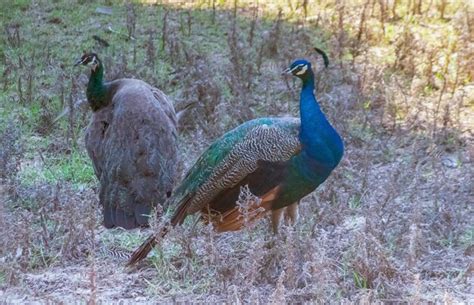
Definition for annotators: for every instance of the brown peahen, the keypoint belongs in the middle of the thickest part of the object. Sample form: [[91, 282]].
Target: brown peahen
[[281, 160], [132, 141]]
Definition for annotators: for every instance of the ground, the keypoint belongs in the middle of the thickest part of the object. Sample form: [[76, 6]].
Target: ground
[[394, 223]]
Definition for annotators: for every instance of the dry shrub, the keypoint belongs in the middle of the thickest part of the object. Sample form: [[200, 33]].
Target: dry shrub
[[49, 224], [45, 122], [201, 89], [13, 34]]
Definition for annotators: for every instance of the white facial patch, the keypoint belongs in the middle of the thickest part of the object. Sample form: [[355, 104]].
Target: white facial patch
[[294, 68], [94, 63], [303, 70]]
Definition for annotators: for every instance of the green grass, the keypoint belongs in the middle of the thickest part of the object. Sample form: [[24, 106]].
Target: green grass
[[2, 277], [467, 239], [74, 168], [355, 202], [359, 280]]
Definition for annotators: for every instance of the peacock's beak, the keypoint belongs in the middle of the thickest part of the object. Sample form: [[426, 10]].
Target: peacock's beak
[[286, 71]]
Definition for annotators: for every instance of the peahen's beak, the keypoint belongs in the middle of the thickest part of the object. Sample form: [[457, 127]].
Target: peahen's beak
[[78, 62]]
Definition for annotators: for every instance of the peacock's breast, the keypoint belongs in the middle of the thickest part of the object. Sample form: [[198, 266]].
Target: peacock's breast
[[309, 168], [302, 179]]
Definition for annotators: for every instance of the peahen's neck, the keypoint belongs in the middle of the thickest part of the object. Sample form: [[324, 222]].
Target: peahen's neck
[[320, 141], [96, 89]]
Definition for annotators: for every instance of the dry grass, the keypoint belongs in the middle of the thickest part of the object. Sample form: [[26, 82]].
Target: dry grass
[[393, 224]]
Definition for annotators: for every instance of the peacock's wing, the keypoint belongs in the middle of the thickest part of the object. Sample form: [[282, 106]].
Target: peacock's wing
[[140, 155], [234, 158], [253, 154]]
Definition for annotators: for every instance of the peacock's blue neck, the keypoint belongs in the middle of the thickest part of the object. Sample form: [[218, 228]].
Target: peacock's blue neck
[[97, 89], [320, 141]]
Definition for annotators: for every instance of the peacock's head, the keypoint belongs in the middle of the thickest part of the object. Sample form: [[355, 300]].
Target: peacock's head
[[299, 68], [302, 68], [89, 59]]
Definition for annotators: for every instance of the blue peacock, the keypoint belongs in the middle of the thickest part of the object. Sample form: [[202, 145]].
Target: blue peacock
[[281, 160]]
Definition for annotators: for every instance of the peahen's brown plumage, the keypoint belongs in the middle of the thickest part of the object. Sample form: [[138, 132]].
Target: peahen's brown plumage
[[132, 141]]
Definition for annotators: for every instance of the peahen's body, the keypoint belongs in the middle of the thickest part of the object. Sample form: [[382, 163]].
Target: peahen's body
[[131, 140], [280, 159]]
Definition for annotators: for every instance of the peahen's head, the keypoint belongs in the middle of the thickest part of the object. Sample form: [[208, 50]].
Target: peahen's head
[[300, 68], [90, 59]]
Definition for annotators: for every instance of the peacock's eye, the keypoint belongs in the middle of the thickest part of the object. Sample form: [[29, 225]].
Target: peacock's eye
[[301, 69]]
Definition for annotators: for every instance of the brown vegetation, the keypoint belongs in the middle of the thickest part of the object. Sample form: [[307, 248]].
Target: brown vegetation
[[393, 224]]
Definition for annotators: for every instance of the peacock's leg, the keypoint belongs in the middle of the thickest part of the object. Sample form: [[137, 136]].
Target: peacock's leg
[[276, 217], [291, 213]]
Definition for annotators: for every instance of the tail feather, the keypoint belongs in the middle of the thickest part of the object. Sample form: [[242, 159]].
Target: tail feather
[[180, 214], [145, 248]]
